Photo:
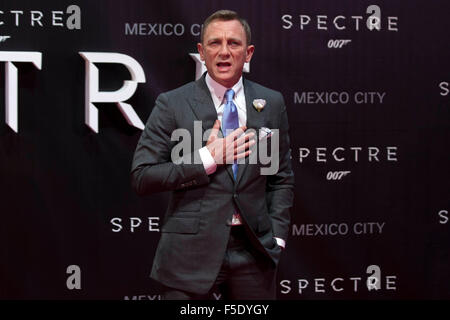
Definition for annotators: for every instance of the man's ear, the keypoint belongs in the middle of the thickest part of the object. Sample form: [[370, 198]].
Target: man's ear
[[200, 51], [249, 53]]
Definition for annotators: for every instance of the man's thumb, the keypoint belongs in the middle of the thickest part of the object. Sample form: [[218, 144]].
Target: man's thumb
[[216, 125], [214, 131]]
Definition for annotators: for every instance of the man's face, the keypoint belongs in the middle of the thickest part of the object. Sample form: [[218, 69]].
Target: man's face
[[224, 50]]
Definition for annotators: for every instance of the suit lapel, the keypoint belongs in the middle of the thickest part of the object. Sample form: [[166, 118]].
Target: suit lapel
[[255, 119], [202, 104]]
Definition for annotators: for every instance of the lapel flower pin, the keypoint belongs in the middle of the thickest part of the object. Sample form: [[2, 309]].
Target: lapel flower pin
[[259, 104]]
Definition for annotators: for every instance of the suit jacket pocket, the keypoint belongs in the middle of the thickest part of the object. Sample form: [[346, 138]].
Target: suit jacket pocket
[[181, 225]]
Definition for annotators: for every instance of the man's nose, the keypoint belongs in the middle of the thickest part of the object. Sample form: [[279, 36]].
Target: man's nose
[[224, 50]]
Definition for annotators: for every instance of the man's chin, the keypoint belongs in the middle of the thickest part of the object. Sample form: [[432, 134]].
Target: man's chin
[[226, 78]]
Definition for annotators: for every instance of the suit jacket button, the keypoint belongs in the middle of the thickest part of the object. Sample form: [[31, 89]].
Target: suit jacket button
[[235, 196]]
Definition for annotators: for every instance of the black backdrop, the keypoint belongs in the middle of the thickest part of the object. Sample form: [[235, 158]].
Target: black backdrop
[[372, 177]]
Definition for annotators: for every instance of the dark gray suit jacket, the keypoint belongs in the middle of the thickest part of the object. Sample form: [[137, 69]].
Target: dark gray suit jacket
[[196, 226]]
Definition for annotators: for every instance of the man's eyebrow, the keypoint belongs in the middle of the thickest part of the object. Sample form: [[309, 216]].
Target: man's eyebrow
[[235, 39], [212, 39], [219, 39]]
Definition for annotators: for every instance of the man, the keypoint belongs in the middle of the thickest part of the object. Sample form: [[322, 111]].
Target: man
[[226, 223]]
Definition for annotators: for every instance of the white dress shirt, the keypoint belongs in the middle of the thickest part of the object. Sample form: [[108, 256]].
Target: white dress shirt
[[218, 96]]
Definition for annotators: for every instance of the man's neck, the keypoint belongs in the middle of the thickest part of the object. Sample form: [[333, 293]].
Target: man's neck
[[219, 89], [227, 85]]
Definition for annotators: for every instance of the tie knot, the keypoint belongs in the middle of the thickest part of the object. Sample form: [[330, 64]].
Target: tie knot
[[229, 94]]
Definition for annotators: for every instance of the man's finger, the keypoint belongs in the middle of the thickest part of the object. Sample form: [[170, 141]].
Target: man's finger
[[237, 132], [235, 136], [241, 140], [244, 147], [242, 155]]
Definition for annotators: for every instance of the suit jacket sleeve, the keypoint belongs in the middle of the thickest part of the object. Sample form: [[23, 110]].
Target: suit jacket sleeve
[[153, 169], [279, 188]]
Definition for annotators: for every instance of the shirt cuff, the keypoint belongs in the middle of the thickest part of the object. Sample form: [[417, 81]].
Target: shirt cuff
[[280, 242], [208, 161]]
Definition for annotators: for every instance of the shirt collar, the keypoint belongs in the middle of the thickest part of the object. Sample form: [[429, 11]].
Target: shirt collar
[[219, 90]]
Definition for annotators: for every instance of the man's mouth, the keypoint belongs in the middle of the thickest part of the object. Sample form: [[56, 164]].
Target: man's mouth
[[223, 66]]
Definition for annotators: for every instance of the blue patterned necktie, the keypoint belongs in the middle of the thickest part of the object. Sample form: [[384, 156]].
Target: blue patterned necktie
[[230, 120]]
